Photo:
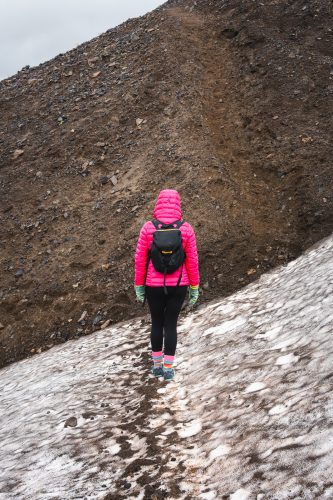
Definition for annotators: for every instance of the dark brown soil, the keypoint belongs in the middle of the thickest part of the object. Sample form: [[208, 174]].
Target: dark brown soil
[[236, 103]]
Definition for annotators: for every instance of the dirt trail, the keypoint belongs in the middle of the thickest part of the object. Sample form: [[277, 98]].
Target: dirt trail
[[233, 101]]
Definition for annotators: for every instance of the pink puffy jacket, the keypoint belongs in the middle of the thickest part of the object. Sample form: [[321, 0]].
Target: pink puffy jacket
[[167, 209]]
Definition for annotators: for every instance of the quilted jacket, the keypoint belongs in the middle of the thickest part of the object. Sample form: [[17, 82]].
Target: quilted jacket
[[167, 210]]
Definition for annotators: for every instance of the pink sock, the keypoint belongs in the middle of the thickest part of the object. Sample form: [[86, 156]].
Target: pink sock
[[157, 357], [168, 361]]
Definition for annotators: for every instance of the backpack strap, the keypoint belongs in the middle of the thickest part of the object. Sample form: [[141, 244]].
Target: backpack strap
[[149, 257], [172, 225], [181, 275], [156, 223], [177, 223]]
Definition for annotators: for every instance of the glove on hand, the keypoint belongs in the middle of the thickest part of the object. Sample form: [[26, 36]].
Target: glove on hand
[[193, 293], [140, 293]]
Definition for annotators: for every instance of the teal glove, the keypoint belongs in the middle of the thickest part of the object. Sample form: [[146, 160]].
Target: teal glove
[[140, 293], [193, 293]]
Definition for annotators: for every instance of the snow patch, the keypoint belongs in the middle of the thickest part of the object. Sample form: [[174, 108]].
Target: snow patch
[[209, 495], [284, 424], [240, 494], [278, 410], [115, 449], [190, 429], [220, 451], [287, 359], [255, 386], [225, 327]]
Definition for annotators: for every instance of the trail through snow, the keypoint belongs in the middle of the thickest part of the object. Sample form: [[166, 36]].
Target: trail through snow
[[249, 415]]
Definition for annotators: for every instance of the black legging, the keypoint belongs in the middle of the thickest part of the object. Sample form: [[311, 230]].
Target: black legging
[[164, 310]]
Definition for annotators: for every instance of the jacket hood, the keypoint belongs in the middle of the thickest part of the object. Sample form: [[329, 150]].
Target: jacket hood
[[168, 206]]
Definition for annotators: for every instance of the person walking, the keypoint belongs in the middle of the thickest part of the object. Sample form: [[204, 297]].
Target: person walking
[[166, 266]]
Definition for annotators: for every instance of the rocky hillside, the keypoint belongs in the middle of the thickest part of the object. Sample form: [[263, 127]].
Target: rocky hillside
[[227, 101]]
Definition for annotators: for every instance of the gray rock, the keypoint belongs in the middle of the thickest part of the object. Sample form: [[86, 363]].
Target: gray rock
[[97, 319], [104, 179], [281, 173], [71, 422]]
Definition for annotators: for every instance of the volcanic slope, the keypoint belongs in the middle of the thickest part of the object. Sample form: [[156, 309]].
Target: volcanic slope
[[249, 414], [228, 102]]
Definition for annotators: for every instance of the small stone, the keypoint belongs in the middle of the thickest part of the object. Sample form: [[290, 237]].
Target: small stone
[[114, 180], [97, 319], [19, 273], [83, 315], [251, 271], [71, 422], [105, 324], [104, 179], [135, 208], [1, 326], [281, 173], [100, 144], [17, 153], [307, 139], [139, 121], [62, 119], [96, 74]]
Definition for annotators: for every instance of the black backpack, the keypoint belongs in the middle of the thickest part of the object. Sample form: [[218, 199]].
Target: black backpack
[[166, 251]]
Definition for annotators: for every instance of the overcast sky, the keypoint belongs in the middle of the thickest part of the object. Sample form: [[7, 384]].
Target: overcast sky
[[33, 31]]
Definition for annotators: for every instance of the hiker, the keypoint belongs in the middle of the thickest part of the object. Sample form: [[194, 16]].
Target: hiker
[[166, 266]]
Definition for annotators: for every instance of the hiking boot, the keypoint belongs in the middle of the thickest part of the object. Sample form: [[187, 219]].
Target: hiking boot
[[157, 371], [169, 374]]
